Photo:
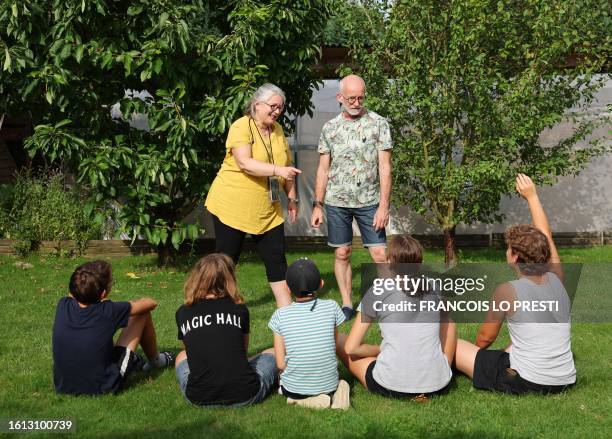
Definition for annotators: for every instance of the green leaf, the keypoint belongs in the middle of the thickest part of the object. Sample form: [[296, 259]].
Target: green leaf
[[30, 87], [162, 19], [157, 65], [127, 64], [62, 123], [176, 238], [78, 53], [7, 57]]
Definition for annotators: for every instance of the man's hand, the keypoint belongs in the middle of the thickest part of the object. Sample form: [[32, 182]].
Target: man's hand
[[317, 217], [525, 186], [381, 218], [292, 211]]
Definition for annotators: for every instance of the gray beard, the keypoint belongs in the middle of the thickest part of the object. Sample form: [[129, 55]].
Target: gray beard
[[352, 111]]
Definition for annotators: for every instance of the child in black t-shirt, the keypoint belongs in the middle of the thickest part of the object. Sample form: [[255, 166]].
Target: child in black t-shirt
[[85, 361], [214, 327]]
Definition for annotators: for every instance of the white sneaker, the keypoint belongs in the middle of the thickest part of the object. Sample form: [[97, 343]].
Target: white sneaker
[[314, 402], [341, 398]]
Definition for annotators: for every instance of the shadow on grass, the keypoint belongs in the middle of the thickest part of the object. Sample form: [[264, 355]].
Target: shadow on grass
[[138, 377], [210, 427], [266, 299]]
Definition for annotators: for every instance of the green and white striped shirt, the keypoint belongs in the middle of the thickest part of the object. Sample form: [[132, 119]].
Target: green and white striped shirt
[[310, 346]]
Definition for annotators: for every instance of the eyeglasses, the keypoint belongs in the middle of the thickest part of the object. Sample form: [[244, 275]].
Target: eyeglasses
[[351, 99], [275, 107]]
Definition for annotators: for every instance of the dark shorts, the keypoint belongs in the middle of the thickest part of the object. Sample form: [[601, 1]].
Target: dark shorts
[[340, 226], [374, 387], [126, 360], [492, 371], [292, 395]]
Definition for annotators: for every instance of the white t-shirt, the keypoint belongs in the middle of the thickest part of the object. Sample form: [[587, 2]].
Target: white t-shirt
[[411, 358], [541, 349]]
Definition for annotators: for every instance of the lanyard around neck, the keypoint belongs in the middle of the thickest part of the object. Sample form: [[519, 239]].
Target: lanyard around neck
[[268, 149]]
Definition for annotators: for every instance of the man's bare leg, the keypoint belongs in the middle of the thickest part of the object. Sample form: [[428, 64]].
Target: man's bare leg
[[344, 274]]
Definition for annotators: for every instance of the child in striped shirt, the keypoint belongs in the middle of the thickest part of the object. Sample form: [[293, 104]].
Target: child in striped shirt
[[305, 335]]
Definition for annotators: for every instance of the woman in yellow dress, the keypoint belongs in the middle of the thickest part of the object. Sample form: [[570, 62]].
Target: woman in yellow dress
[[244, 197]]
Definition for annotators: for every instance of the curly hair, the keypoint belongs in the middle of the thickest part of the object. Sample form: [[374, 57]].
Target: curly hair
[[531, 246]]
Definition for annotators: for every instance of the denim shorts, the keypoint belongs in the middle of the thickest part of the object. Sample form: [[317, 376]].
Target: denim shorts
[[340, 226], [263, 364]]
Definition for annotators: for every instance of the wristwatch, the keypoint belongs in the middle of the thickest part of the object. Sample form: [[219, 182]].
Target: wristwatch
[[293, 200], [316, 203]]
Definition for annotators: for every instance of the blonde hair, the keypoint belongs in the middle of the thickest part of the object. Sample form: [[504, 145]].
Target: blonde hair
[[262, 94], [212, 275]]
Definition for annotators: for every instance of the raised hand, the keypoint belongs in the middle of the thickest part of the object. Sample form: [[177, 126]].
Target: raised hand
[[525, 187]]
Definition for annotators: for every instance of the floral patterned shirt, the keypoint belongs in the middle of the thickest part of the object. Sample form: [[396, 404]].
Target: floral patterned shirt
[[353, 179]]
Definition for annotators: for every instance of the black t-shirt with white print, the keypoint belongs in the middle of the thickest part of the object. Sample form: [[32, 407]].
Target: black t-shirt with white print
[[213, 331]]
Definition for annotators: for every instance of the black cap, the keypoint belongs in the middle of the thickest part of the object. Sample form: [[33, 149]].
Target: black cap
[[303, 277]]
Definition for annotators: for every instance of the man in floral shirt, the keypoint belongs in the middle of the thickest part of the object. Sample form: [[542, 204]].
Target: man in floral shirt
[[353, 181]]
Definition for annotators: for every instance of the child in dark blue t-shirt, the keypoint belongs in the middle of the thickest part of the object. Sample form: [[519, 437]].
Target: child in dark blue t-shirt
[[85, 361]]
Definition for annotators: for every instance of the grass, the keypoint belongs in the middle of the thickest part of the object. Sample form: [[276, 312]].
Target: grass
[[153, 405]]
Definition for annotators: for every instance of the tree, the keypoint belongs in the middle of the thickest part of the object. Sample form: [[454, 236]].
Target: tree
[[469, 86], [66, 62]]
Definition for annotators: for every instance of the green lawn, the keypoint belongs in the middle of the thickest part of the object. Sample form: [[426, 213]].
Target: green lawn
[[153, 405]]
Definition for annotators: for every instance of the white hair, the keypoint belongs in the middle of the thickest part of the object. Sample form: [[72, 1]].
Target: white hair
[[262, 94]]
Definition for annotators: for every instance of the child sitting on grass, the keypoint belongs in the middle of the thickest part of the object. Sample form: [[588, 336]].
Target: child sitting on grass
[[305, 335], [85, 361], [214, 325], [414, 359], [539, 358]]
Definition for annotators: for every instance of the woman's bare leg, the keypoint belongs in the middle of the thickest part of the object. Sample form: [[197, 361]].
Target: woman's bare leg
[[281, 293]]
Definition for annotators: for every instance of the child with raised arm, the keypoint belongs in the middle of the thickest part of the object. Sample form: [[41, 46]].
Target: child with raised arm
[[305, 337], [214, 326], [539, 358], [85, 361], [414, 360]]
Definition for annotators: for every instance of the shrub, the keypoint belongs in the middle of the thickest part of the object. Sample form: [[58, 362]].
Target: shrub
[[43, 208]]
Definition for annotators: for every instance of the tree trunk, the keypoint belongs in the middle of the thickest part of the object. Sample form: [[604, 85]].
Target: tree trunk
[[166, 255], [450, 251]]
